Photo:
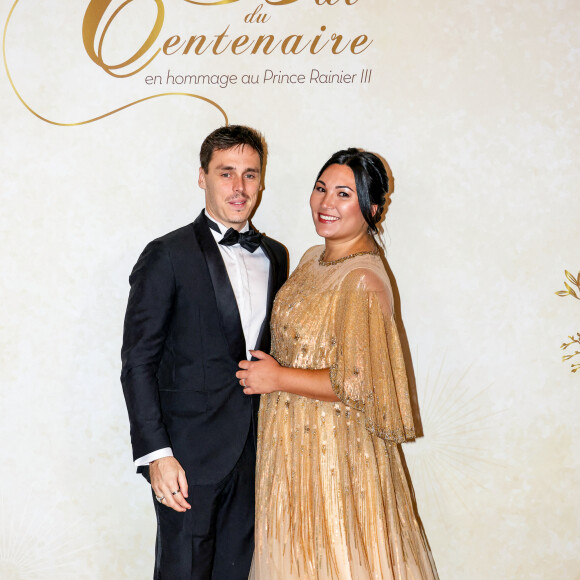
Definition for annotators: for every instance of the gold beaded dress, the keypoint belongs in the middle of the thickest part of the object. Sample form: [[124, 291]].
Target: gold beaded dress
[[332, 498]]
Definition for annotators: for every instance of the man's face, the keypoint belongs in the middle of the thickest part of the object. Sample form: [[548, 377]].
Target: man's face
[[231, 185]]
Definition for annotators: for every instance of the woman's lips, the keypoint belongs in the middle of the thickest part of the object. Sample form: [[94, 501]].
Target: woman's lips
[[327, 219]]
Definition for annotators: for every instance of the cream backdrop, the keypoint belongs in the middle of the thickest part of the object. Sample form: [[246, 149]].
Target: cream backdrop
[[475, 106]]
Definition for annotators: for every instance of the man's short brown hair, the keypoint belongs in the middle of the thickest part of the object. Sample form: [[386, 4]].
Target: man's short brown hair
[[228, 138]]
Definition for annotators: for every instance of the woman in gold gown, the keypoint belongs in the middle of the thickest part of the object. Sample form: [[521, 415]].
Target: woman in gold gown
[[332, 498]]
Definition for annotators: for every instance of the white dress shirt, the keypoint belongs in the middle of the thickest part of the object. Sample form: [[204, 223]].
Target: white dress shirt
[[248, 273]]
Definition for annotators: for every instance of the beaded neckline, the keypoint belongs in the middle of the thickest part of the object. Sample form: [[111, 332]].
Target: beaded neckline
[[343, 259]]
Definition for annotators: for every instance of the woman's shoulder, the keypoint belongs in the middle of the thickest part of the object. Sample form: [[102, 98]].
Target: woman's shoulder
[[366, 272], [311, 253], [367, 276]]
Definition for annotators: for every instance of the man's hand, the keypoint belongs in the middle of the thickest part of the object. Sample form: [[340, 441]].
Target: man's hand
[[167, 477]]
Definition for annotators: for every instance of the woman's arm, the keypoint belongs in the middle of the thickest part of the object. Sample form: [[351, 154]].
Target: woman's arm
[[265, 375]]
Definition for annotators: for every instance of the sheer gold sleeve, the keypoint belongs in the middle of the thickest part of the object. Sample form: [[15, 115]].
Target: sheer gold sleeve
[[369, 371]]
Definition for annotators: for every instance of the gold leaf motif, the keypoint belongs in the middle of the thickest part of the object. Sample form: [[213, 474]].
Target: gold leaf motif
[[570, 277], [570, 291], [573, 339]]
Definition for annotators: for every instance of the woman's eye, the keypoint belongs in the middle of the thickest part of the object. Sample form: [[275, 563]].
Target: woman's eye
[[343, 194], [320, 189]]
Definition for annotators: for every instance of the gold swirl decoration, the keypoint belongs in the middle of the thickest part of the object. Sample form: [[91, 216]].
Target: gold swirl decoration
[[216, 3], [108, 114], [574, 339]]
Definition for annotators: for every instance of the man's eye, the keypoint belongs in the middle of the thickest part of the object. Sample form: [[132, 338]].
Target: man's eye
[[250, 176], [225, 174]]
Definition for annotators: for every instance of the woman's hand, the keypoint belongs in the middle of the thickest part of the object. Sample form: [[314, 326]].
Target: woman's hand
[[265, 375], [259, 377]]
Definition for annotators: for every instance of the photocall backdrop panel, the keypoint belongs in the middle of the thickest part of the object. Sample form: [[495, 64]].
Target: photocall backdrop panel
[[475, 107]]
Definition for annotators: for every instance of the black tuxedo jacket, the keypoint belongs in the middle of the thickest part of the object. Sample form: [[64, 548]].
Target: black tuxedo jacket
[[182, 342]]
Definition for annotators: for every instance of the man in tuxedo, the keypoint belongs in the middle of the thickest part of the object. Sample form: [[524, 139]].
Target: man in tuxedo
[[200, 300]]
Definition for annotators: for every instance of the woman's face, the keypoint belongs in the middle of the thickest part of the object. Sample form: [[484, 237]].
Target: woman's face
[[334, 204]]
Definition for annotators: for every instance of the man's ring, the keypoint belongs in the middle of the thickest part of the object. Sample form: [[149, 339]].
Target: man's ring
[[160, 499], [244, 383], [175, 492]]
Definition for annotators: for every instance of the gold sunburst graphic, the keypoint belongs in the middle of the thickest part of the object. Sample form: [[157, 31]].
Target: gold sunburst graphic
[[35, 544], [453, 453]]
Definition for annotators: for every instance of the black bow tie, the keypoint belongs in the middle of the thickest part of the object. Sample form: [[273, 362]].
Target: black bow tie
[[249, 240]]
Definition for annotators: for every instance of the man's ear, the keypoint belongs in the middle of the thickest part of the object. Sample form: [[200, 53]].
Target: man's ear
[[201, 179]]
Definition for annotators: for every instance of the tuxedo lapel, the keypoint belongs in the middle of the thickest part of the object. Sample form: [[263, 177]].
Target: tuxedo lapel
[[227, 306], [263, 341]]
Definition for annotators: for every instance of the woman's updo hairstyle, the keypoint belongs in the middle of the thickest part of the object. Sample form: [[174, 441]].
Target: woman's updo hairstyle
[[370, 177]]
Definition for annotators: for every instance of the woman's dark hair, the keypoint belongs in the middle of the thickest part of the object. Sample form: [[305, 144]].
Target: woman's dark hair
[[370, 177], [229, 137]]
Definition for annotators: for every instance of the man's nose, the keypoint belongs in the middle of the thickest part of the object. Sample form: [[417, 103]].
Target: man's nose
[[238, 184]]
